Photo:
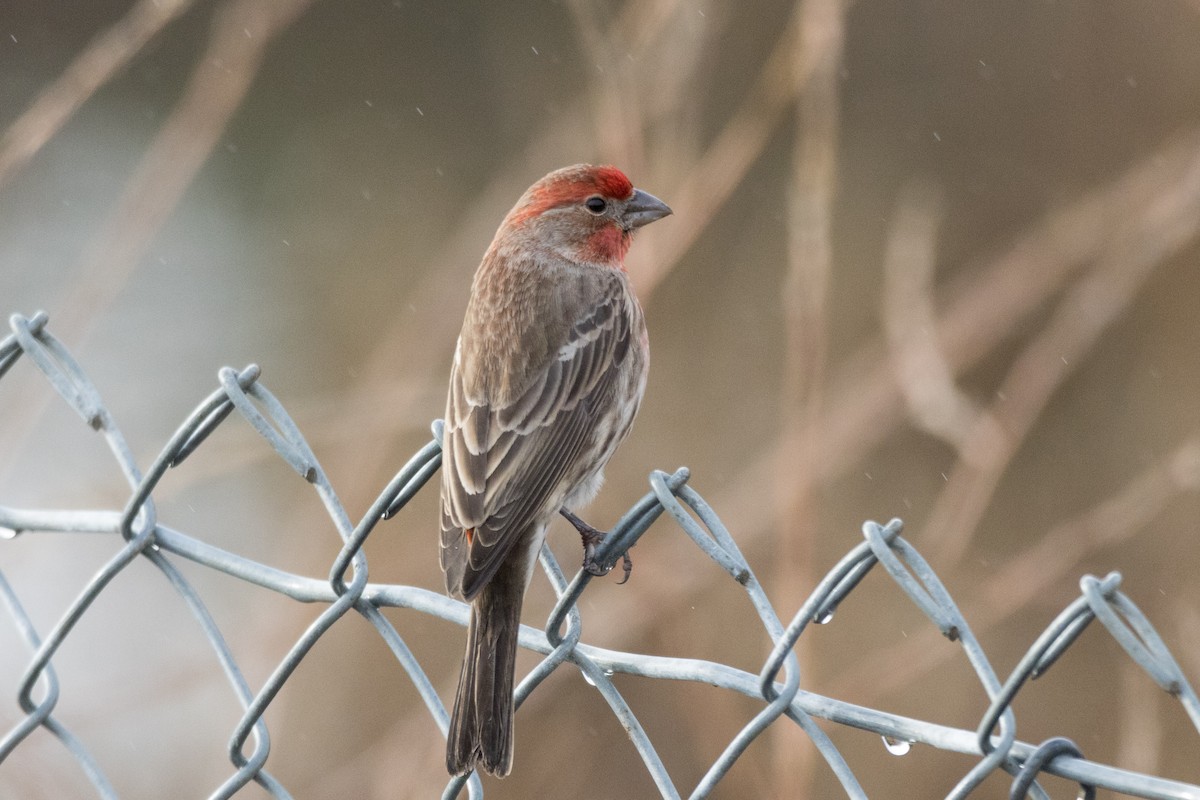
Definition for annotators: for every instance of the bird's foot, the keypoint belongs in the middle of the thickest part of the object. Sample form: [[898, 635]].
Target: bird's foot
[[591, 538]]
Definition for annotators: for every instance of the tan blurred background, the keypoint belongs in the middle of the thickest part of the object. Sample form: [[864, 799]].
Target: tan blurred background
[[935, 260]]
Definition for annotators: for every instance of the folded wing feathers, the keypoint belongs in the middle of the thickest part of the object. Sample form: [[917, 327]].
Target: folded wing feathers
[[504, 463]]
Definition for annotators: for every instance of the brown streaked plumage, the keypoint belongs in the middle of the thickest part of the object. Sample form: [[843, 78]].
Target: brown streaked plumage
[[547, 377]]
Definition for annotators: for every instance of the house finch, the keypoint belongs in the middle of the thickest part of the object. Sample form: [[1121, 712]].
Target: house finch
[[548, 375]]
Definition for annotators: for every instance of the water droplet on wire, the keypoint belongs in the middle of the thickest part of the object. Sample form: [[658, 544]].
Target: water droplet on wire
[[896, 747]]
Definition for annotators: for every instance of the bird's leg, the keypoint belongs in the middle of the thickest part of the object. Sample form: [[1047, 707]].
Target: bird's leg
[[592, 537]]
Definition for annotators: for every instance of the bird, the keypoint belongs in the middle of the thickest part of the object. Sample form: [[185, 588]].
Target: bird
[[548, 374]]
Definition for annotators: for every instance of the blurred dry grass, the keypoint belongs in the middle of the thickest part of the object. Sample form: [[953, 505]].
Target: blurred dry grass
[[928, 260]]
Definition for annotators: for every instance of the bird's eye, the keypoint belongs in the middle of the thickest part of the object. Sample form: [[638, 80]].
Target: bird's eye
[[595, 204]]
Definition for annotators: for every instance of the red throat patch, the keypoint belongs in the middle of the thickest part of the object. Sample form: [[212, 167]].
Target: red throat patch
[[607, 245]]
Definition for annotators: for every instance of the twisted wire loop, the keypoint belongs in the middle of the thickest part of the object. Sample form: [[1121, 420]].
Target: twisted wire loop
[[138, 534], [1047, 751]]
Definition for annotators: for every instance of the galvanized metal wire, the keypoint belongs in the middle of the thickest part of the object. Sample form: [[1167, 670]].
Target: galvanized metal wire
[[137, 534]]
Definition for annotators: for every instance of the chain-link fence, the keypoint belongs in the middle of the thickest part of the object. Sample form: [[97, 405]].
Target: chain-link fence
[[992, 745]]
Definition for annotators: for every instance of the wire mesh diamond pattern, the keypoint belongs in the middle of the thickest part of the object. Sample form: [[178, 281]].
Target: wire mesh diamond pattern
[[138, 534]]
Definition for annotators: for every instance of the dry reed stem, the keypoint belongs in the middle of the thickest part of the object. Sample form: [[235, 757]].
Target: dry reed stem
[[1139, 729], [104, 57], [613, 91], [805, 297], [923, 375], [710, 181]]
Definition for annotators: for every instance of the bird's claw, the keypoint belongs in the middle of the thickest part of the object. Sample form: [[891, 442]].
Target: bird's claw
[[592, 537], [595, 567], [626, 567]]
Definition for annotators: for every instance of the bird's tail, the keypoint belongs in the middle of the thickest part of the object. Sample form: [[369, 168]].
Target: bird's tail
[[481, 725]]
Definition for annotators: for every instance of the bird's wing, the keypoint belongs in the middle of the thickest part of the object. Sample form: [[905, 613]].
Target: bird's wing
[[502, 464]]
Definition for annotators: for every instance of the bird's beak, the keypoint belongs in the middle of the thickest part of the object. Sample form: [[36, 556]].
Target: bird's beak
[[643, 208]]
